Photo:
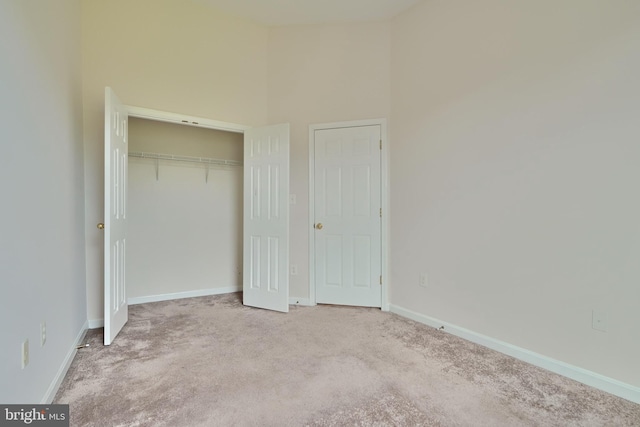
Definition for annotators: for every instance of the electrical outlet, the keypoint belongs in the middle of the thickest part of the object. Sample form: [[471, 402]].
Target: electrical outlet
[[25, 353], [424, 280], [294, 269], [43, 333], [599, 321]]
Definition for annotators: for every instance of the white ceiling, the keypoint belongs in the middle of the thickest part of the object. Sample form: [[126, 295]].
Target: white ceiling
[[303, 12]]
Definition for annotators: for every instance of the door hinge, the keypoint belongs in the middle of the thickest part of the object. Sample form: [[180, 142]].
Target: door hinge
[[381, 144], [380, 212], [380, 280]]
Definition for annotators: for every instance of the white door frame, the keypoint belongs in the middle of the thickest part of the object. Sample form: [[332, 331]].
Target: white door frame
[[384, 187], [182, 119]]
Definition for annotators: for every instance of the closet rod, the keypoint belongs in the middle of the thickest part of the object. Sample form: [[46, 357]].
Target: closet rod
[[205, 160]]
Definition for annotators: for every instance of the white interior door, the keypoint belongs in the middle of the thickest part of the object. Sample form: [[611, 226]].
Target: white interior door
[[115, 215], [266, 218], [347, 216]]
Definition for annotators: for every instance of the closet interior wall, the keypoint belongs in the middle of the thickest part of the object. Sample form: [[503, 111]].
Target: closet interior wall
[[185, 218]]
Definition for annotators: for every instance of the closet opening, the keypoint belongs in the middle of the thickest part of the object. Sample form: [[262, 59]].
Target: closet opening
[[185, 211]]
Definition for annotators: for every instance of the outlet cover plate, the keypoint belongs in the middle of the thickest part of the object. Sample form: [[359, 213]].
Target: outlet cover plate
[[424, 280], [600, 321]]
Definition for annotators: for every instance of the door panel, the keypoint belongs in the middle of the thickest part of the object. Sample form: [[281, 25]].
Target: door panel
[[347, 201], [115, 221], [266, 218], [362, 251], [333, 266]]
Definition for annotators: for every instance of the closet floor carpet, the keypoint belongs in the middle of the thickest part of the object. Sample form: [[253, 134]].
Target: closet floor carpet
[[210, 361]]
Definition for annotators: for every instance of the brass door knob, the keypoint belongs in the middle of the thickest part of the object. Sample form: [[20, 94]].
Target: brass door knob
[[319, 226], [100, 226]]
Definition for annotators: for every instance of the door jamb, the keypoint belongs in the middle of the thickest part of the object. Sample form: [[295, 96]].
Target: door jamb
[[183, 119], [384, 201]]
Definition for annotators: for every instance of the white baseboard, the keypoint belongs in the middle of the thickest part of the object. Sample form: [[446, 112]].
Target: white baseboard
[[180, 295], [610, 385], [62, 372], [300, 301]]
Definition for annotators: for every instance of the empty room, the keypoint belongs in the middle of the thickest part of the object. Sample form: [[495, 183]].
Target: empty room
[[428, 215]]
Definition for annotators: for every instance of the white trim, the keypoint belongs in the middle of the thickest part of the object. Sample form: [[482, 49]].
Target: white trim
[[300, 301], [593, 379], [62, 372], [182, 119], [311, 224], [386, 216], [96, 323], [181, 295], [384, 201]]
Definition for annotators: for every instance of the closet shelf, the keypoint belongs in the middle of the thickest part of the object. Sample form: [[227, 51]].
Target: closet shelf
[[205, 160]]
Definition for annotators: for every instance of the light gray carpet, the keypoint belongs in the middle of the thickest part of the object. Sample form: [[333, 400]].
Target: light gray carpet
[[210, 361]]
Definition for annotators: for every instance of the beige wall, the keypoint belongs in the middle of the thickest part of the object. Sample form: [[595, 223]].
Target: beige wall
[[320, 74], [515, 173], [167, 55], [42, 265], [182, 140], [513, 138]]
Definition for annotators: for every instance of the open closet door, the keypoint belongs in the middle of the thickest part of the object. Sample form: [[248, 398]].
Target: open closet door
[[266, 218], [116, 150]]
